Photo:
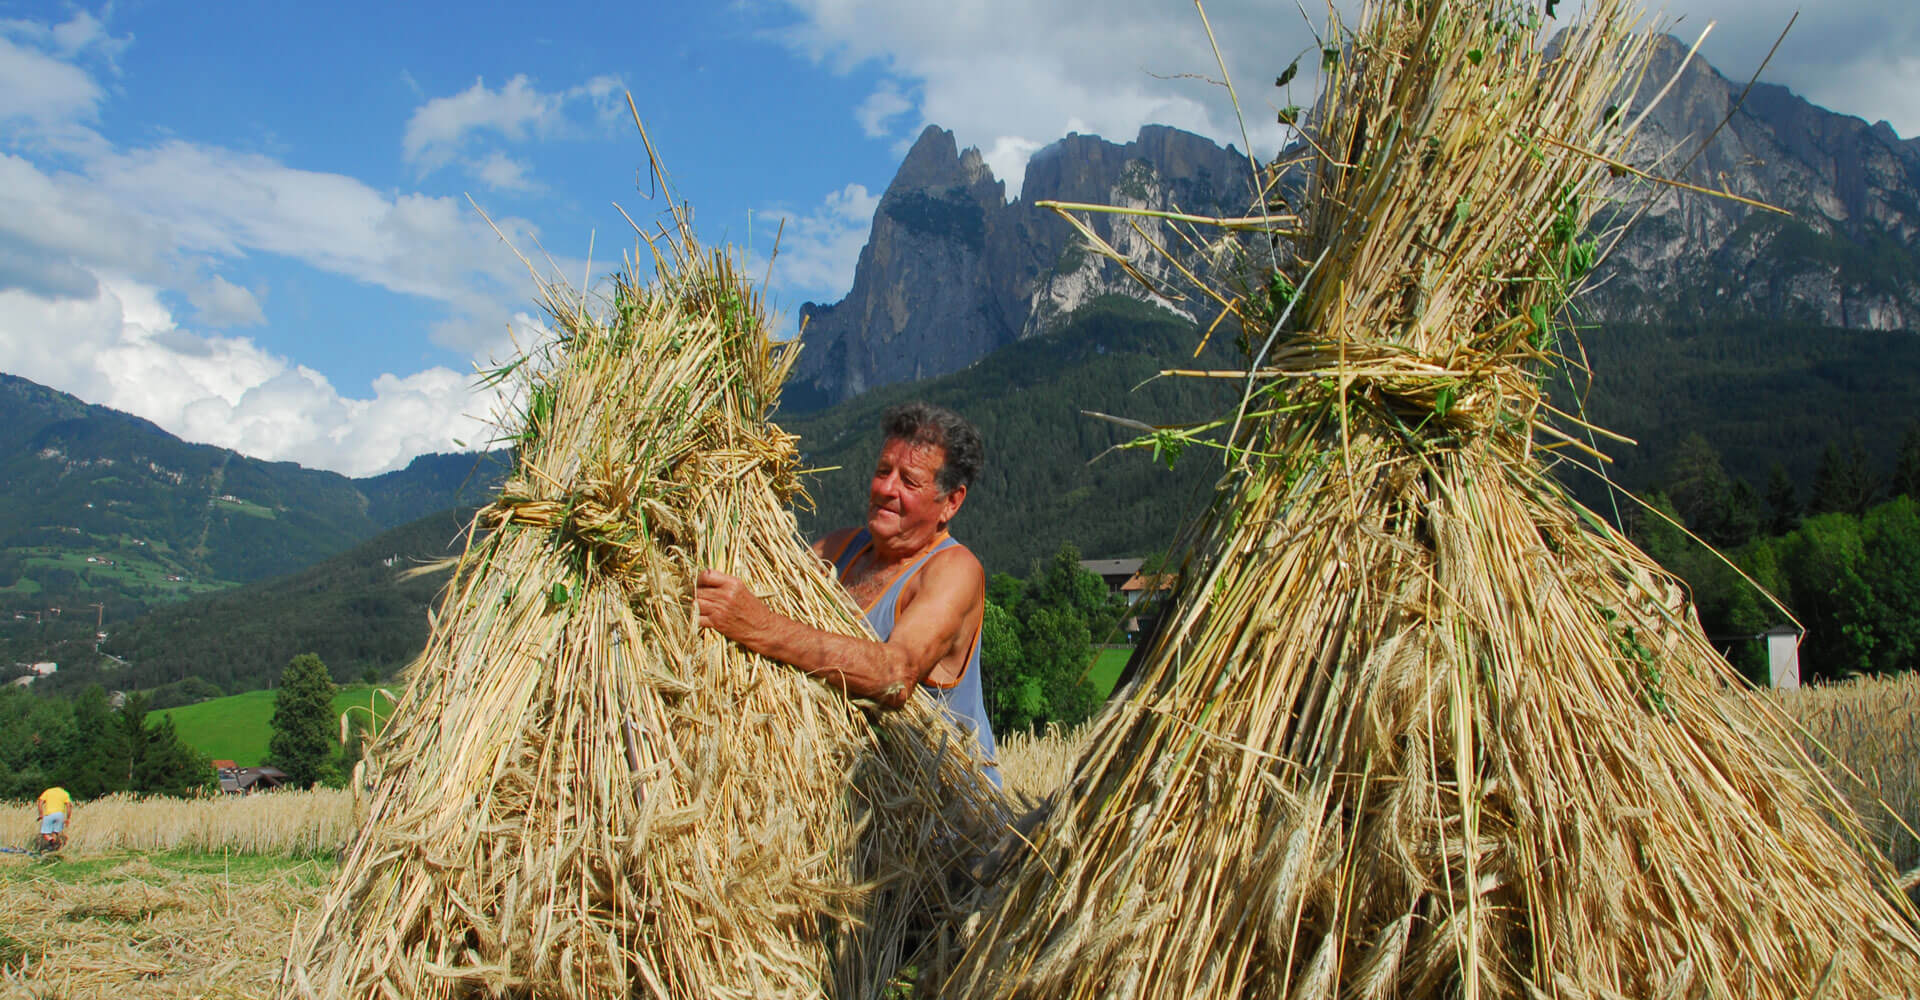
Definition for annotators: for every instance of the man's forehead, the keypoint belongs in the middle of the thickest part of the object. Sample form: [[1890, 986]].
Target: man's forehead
[[915, 452]]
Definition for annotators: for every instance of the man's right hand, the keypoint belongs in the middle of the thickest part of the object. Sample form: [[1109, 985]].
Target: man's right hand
[[726, 604]]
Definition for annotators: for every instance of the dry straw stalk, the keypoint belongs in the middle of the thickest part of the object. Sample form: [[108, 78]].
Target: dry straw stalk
[[1419, 726], [582, 794]]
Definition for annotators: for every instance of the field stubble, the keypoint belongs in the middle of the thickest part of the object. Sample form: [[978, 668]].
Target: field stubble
[[158, 925], [196, 898]]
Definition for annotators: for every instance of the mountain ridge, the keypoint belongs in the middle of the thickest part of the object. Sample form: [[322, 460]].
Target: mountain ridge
[[1849, 257], [101, 506], [952, 271]]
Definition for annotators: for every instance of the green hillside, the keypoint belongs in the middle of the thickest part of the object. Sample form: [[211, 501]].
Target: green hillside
[[98, 507], [236, 727], [357, 611], [1760, 393]]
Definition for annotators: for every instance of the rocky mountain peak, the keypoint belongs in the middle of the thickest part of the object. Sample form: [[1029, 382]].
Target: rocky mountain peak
[[952, 271], [935, 162], [1845, 185]]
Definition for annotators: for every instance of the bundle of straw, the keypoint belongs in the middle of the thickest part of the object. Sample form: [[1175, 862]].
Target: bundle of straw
[[1418, 725], [582, 794]]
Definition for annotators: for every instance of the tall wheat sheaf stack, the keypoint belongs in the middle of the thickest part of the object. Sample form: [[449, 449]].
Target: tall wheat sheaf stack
[[1417, 725], [584, 795]]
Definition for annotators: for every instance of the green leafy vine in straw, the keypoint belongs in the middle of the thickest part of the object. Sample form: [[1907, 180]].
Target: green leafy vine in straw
[[1168, 443], [540, 403], [1637, 657]]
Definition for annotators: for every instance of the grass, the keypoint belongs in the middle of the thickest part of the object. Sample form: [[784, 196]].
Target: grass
[[132, 565], [1106, 669], [82, 869], [246, 507], [236, 727]]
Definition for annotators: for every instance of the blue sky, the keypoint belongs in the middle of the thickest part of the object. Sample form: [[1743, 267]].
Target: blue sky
[[249, 222]]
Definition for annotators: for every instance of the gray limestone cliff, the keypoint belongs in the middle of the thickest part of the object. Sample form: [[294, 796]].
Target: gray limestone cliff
[[1845, 257], [952, 270]]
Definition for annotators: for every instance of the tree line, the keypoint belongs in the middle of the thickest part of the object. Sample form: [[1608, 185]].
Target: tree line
[[1037, 642], [1842, 556], [91, 748]]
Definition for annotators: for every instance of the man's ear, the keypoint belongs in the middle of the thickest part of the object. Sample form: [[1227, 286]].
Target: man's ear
[[953, 500]]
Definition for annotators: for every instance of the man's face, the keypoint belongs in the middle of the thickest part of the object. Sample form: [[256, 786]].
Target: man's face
[[904, 502]]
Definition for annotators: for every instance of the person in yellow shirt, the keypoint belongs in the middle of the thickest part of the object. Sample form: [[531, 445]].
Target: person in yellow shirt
[[55, 805]]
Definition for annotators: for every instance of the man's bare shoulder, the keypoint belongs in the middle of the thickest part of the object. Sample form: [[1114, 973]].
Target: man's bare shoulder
[[956, 564], [830, 544]]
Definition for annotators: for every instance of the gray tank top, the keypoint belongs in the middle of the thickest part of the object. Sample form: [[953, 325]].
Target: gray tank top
[[965, 701]]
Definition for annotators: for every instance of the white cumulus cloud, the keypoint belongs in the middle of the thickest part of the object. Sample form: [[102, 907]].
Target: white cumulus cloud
[[1010, 76], [440, 127], [101, 242], [501, 172], [452, 129], [882, 106], [80, 35], [1859, 58], [37, 86], [222, 303], [818, 249], [124, 348]]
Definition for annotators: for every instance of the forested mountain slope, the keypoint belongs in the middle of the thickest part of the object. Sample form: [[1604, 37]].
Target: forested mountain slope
[[359, 611], [98, 506]]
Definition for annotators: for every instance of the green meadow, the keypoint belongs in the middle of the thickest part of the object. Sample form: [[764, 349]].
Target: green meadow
[[1106, 669], [236, 727]]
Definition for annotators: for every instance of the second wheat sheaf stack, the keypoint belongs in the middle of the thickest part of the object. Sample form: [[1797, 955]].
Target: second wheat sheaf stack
[[1418, 725]]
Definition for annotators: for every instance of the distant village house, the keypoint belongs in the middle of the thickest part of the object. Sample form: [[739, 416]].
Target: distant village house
[[34, 671], [1123, 577], [237, 780], [1113, 572]]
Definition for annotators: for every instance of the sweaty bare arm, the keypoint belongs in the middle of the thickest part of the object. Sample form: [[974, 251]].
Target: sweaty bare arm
[[924, 632]]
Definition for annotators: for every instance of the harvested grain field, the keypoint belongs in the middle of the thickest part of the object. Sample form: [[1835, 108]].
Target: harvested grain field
[[123, 924], [112, 923]]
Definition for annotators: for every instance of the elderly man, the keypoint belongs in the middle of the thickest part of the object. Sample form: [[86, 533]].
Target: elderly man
[[923, 592]]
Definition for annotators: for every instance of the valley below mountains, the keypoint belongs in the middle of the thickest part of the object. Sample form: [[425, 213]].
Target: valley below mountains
[[1772, 336]]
